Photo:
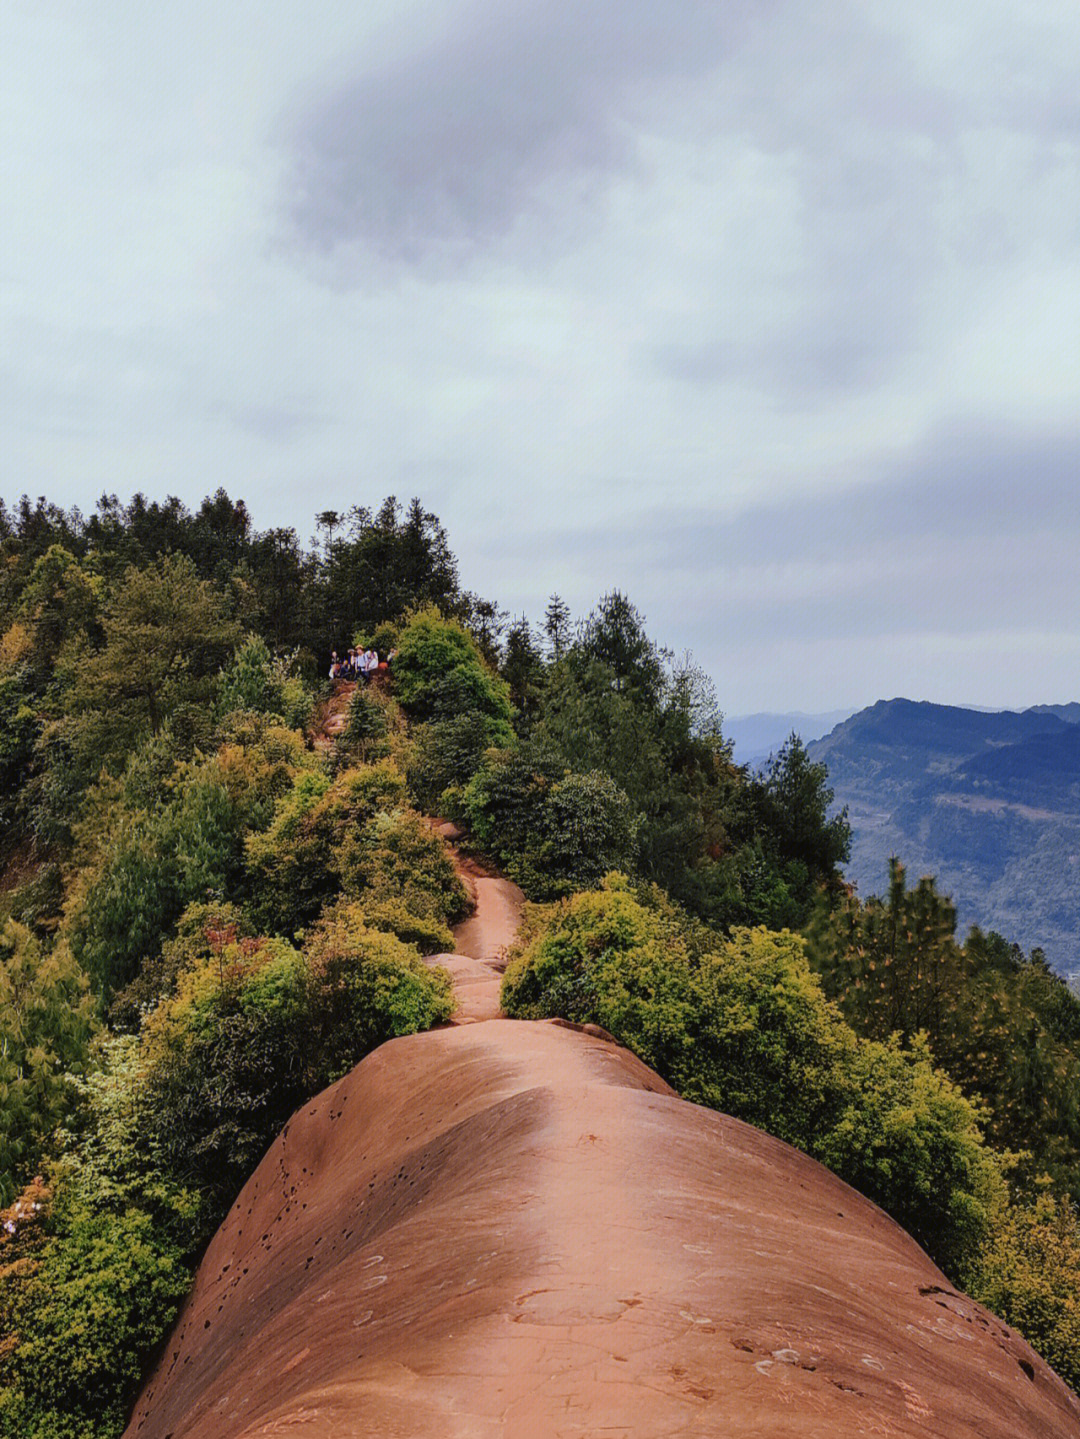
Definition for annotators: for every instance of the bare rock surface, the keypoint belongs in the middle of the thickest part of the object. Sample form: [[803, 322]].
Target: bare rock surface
[[517, 1231], [332, 715]]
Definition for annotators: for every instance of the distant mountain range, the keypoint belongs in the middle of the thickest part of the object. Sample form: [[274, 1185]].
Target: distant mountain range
[[757, 736], [987, 801]]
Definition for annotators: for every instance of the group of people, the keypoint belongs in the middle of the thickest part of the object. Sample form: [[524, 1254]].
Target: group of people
[[359, 664]]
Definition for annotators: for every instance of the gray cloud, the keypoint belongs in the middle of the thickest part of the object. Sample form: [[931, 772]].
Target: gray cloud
[[602, 283], [448, 146], [969, 531], [964, 483]]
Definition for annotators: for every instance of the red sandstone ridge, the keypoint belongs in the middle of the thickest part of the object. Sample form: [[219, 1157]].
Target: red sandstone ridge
[[507, 1229], [517, 1231]]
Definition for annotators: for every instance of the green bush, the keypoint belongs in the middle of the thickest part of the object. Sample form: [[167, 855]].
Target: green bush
[[356, 835], [90, 1283], [19, 728], [38, 903], [288, 863], [256, 682], [150, 863], [382, 638], [258, 1026], [443, 757], [504, 801], [908, 1139], [439, 672], [160, 862], [166, 637], [586, 829], [554, 831], [766, 1044], [1029, 1274], [201, 929], [366, 987], [397, 855], [107, 1289], [367, 728], [746, 1028], [605, 958], [228, 1060], [394, 916], [45, 1030]]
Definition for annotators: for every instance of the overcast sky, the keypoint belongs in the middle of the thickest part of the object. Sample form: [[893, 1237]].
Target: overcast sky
[[765, 312]]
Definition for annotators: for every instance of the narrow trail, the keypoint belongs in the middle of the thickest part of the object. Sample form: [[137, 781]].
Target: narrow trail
[[331, 715], [482, 939]]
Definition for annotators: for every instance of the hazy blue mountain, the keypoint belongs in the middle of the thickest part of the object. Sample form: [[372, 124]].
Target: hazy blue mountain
[[1070, 713], [757, 736], [989, 802]]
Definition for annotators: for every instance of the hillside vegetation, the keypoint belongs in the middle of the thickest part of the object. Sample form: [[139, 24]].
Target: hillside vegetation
[[207, 916]]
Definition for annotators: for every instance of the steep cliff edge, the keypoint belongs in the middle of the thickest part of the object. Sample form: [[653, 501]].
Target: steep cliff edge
[[516, 1230]]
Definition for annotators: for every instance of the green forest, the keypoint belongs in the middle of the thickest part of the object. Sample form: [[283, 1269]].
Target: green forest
[[209, 912]]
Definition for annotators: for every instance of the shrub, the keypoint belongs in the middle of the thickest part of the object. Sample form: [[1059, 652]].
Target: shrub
[[504, 800], [382, 638], [605, 958], [89, 1289], [365, 736], [45, 1029], [439, 672], [259, 1026], [288, 863], [444, 756], [19, 726], [227, 1062], [397, 855], [296, 864], [766, 1044], [908, 1139], [554, 831], [366, 987], [255, 682], [200, 930], [39, 902], [393, 916], [1029, 1274], [154, 862], [746, 1028], [105, 1291], [586, 829]]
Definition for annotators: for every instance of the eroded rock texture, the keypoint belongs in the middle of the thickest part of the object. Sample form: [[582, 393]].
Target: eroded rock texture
[[517, 1230]]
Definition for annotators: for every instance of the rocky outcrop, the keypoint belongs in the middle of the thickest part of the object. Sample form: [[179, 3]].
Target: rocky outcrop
[[518, 1230]]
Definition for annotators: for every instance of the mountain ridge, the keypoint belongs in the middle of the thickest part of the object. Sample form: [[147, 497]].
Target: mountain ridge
[[987, 801]]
